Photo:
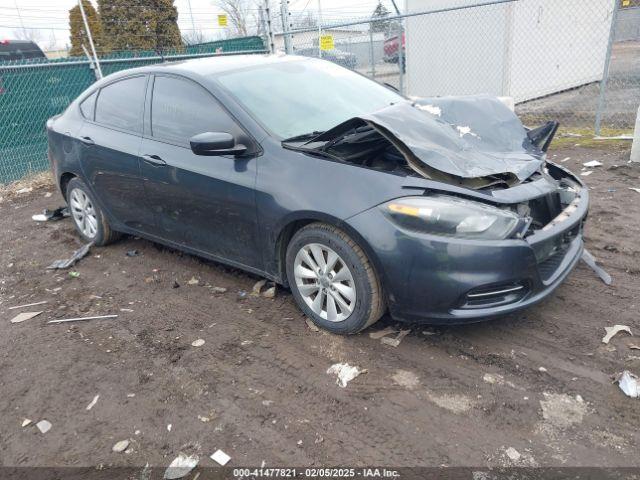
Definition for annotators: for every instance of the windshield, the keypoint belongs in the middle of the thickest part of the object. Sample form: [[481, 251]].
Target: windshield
[[298, 97]]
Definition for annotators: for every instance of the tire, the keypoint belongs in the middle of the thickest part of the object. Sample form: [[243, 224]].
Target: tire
[[83, 205], [349, 315]]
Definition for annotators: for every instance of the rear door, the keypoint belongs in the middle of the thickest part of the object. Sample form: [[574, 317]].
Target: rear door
[[201, 202], [110, 145]]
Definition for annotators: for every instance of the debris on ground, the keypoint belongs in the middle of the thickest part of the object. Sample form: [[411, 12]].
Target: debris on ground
[[68, 262], [513, 454], [542, 369], [394, 342], [628, 383], [21, 317], [242, 294], [587, 173], [44, 426], [562, 411], [24, 190], [634, 347], [220, 457], [591, 262], [175, 284], [344, 372], [181, 466], [592, 164], [197, 343], [93, 402], [257, 288], [637, 190], [26, 422], [612, 331], [169, 427], [132, 253], [269, 292], [79, 319], [382, 333], [406, 379], [51, 215], [312, 326], [121, 446], [74, 274], [218, 289], [193, 281], [27, 305]]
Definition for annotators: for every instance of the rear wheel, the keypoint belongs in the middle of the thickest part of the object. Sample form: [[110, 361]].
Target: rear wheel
[[332, 280], [87, 217]]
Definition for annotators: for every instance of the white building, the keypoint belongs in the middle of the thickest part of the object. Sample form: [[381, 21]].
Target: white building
[[525, 49]]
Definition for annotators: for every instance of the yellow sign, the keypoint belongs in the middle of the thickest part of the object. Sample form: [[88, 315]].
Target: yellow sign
[[326, 42], [626, 3], [222, 20]]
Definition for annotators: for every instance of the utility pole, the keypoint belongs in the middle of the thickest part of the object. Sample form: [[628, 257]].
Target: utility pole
[[93, 48]]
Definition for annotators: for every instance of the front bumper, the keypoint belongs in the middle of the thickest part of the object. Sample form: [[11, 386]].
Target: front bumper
[[441, 280]]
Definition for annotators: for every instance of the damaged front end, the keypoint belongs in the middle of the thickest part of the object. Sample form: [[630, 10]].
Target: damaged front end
[[473, 150]]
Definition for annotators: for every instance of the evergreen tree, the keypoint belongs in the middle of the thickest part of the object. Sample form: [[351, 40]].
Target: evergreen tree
[[140, 24], [380, 21], [78, 34]]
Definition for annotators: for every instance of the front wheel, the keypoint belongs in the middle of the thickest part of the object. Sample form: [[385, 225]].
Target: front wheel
[[332, 280]]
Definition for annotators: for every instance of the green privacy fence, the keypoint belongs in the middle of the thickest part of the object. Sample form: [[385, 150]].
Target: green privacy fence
[[33, 91]]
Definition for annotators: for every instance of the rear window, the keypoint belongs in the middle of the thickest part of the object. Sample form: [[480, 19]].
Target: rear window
[[88, 106], [120, 104]]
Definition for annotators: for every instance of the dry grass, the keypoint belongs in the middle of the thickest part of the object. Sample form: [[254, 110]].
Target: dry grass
[[34, 181]]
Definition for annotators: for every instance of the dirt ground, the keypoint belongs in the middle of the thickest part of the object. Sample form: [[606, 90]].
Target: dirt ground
[[539, 382]]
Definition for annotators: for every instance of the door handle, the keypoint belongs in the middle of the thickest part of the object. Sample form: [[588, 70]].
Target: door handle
[[154, 160], [87, 141]]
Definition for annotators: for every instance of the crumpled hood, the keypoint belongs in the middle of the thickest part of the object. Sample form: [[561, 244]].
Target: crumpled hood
[[467, 137]]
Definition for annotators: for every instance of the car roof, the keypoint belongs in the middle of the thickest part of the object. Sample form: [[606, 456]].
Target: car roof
[[206, 66]]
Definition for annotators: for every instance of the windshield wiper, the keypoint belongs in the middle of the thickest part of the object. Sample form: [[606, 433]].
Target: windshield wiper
[[304, 136]]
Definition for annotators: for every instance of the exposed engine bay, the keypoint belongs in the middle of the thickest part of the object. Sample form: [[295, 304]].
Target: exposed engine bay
[[473, 142]]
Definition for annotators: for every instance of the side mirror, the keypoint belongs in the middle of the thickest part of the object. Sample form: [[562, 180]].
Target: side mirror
[[215, 144]]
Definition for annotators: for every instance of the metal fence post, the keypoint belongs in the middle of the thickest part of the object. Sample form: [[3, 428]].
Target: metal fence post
[[286, 26], [401, 60], [372, 59], [269, 27], [93, 48], [607, 64]]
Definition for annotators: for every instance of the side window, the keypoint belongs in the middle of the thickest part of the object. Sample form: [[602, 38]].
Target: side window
[[88, 106], [120, 104], [181, 109]]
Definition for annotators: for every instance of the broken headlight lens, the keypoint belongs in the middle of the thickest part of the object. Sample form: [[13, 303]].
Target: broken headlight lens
[[452, 216]]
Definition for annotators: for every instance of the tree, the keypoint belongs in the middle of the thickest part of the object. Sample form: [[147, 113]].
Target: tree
[[382, 24], [78, 33], [140, 24]]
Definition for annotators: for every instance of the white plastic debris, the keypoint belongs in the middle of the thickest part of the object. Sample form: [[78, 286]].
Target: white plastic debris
[[21, 317], [193, 281], [26, 422], [591, 262], [432, 109], [27, 305], [44, 426], [121, 446], [587, 173], [220, 457], [93, 402], [197, 343], [181, 466], [394, 342], [169, 427], [513, 454], [542, 369], [592, 164], [637, 190], [612, 331], [344, 372], [628, 383], [79, 319]]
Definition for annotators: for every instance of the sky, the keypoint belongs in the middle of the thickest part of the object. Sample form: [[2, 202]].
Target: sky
[[47, 21]]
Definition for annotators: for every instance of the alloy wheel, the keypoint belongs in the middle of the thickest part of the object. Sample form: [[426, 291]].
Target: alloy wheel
[[84, 214], [325, 282]]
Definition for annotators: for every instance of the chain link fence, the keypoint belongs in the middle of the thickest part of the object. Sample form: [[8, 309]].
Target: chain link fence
[[31, 91], [576, 61]]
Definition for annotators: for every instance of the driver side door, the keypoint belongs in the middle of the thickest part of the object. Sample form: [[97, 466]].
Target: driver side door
[[200, 202]]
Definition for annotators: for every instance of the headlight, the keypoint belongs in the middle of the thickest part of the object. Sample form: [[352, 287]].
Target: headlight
[[452, 216]]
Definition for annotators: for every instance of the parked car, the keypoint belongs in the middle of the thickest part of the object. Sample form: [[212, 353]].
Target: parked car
[[359, 200], [340, 57], [19, 50]]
